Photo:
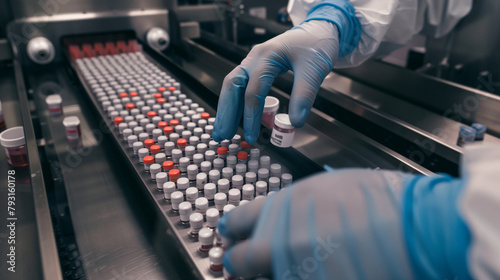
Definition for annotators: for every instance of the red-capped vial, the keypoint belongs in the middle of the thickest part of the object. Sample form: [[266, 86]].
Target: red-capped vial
[[174, 174], [181, 144], [149, 142], [222, 152], [206, 238], [161, 100], [167, 130], [154, 149], [134, 94], [123, 94], [157, 95], [244, 145], [162, 125], [162, 89], [242, 157], [118, 121], [171, 88], [195, 223], [151, 114], [168, 165], [129, 106], [205, 115], [174, 123], [148, 160]]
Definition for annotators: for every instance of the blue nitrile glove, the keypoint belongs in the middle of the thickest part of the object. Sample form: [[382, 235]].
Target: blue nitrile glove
[[309, 50], [351, 224]]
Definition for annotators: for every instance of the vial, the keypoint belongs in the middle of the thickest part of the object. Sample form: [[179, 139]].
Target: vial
[[167, 165], [176, 155], [286, 179], [253, 165], [182, 184], [237, 181], [14, 144], [209, 129], [122, 127], [168, 189], [243, 202], [185, 210], [206, 238], [211, 121], [154, 149], [167, 130], [142, 152], [274, 184], [212, 145], [191, 126], [143, 137], [275, 170], [161, 178], [186, 134], [54, 102], [201, 205], [191, 194], [234, 196], [162, 139], [220, 200], [233, 149], [148, 161], [148, 143], [206, 166], [236, 140], [201, 148], [283, 132], [131, 139], [227, 173], [177, 198], [241, 169], [209, 191], [263, 174], [226, 210], [223, 185], [222, 152], [213, 176], [480, 131], [219, 164], [231, 161], [154, 169], [195, 223], [245, 146], [137, 146], [271, 106], [265, 162], [174, 137], [185, 120], [212, 215], [189, 151], [149, 128], [210, 155], [215, 255], [250, 178], [157, 133], [174, 174], [72, 126], [247, 192], [181, 144], [242, 157], [198, 159], [198, 132], [183, 164], [260, 188], [254, 154], [192, 172], [138, 130], [225, 143], [168, 147], [205, 138], [194, 140]]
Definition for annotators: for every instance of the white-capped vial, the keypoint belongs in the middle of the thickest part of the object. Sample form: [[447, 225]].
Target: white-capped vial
[[236, 140], [191, 126], [137, 146], [162, 139], [144, 122], [225, 143], [275, 170], [219, 164], [191, 194], [201, 148], [131, 139], [253, 165], [213, 176], [154, 169], [198, 159], [250, 178], [260, 188], [161, 178], [274, 184], [220, 200], [142, 153], [205, 166], [254, 154], [160, 158], [233, 149], [237, 181], [182, 184], [243, 202], [227, 173], [201, 179], [186, 134], [185, 210], [205, 138], [212, 145], [122, 126], [209, 190], [231, 161], [176, 155], [265, 162], [286, 179], [226, 210], [190, 151], [212, 215], [179, 129], [195, 223], [263, 174], [168, 117], [247, 192], [143, 136], [223, 185], [185, 120], [211, 121], [192, 172], [177, 198], [206, 238], [241, 169], [169, 146], [198, 132], [234, 197], [149, 128], [174, 137], [209, 155], [215, 255], [283, 131], [138, 130], [195, 118], [201, 205], [157, 133], [168, 189]]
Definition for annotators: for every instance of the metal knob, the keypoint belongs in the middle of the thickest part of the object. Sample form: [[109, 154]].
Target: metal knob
[[40, 50], [158, 38]]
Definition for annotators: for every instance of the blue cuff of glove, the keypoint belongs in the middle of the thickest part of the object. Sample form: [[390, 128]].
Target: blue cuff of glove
[[342, 14], [436, 236]]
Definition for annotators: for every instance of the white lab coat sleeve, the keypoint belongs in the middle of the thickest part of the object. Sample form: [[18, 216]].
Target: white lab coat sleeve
[[388, 25], [480, 208]]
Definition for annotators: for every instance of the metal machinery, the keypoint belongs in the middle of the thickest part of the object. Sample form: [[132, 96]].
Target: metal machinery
[[89, 212]]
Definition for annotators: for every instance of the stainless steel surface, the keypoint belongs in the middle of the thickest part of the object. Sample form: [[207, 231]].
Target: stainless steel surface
[[20, 31], [200, 13], [28, 264], [51, 268], [270, 26], [190, 29], [5, 52], [116, 236]]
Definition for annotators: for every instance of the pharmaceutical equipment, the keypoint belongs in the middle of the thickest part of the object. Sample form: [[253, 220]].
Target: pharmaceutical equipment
[[118, 102]]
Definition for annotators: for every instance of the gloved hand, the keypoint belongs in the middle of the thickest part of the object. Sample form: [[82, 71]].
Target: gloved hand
[[351, 224], [309, 50]]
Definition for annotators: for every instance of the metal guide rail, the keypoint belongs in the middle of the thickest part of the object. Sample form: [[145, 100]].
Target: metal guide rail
[[166, 136]]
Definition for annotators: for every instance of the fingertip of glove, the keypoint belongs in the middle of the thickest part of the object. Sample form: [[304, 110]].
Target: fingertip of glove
[[222, 225], [298, 119]]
